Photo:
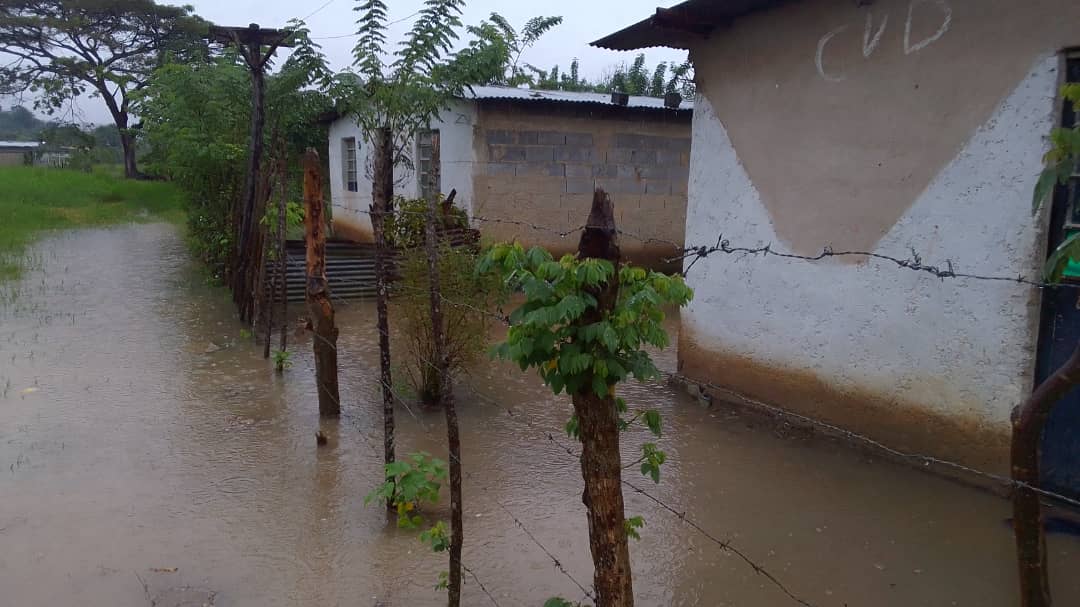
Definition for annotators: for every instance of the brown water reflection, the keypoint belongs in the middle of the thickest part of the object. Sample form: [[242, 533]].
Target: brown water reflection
[[141, 450]]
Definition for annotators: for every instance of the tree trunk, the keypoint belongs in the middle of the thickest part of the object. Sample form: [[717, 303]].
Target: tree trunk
[[127, 143], [319, 305], [442, 364], [282, 234], [601, 463], [382, 192], [1028, 421]]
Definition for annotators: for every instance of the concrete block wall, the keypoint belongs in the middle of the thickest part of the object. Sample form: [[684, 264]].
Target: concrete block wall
[[540, 166]]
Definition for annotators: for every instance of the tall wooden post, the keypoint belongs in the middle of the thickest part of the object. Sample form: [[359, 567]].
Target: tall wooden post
[[250, 41], [1028, 421], [320, 308], [601, 463], [282, 234], [442, 363], [382, 193]]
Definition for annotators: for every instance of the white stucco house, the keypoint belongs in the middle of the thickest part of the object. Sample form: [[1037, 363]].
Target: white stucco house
[[886, 126]]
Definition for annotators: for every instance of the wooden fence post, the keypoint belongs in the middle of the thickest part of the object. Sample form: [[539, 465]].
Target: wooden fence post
[[601, 463], [282, 235], [1028, 421], [382, 193], [319, 305]]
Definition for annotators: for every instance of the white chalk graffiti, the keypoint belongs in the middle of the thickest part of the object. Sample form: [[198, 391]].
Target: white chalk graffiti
[[869, 45], [945, 23], [820, 59], [872, 38]]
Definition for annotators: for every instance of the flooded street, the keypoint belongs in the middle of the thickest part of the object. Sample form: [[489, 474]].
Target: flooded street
[[148, 452]]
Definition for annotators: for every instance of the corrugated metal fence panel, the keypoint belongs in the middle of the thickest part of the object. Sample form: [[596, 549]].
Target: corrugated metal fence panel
[[350, 266], [350, 270]]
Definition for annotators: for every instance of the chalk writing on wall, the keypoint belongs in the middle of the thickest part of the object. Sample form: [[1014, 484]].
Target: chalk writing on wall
[[872, 35]]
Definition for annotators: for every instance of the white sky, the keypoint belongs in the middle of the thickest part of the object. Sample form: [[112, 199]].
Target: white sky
[[583, 22]]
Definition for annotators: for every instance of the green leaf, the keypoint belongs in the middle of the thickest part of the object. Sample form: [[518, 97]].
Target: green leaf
[[632, 524], [573, 427], [652, 420], [558, 602], [1044, 188], [1059, 259], [599, 386]]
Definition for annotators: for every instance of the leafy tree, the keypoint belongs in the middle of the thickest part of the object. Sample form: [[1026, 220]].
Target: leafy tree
[[196, 121], [635, 79], [493, 56], [67, 135], [20, 124], [64, 48], [466, 331], [656, 84], [583, 326], [391, 102]]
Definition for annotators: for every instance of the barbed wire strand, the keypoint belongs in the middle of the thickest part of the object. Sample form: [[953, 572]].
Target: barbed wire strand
[[555, 560], [696, 253], [927, 460], [724, 545], [481, 584]]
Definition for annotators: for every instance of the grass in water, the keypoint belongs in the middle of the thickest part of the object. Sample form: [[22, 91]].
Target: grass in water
[[33, 200]]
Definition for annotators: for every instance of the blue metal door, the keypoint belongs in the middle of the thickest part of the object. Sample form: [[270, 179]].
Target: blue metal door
[[1059, 333]]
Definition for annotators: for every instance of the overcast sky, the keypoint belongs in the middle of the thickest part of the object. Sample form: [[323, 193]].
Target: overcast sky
[[332, 23]]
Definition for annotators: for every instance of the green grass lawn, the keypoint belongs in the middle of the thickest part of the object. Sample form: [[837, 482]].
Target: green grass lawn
[[33, 200]]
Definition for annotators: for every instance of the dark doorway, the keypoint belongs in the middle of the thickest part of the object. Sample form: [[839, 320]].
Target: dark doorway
[[1059, 330]]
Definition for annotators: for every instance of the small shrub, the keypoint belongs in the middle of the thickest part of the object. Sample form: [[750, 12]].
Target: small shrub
[[464, 313], [408, 484]]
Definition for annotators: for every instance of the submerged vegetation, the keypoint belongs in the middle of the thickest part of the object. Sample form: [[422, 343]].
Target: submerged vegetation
[[33, 200]]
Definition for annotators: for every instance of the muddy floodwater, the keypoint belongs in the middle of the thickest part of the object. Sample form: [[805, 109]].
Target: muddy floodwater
[[149, 455]]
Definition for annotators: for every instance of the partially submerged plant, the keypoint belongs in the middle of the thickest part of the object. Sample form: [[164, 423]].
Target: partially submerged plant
[[408, 484], [282, 360]]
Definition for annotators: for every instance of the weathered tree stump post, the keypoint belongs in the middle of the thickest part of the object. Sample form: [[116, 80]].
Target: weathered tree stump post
[[446, 389], [601, 463], [382, 193], [1028, 421], [320, 308]]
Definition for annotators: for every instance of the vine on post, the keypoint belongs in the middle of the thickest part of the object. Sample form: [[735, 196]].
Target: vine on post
[[583, 327]]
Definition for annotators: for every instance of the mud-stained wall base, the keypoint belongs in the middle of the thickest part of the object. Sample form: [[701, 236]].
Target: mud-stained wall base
[[351, 229], [904, 426]]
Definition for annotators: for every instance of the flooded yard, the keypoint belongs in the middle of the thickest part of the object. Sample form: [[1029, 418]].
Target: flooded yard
[[149, 454]]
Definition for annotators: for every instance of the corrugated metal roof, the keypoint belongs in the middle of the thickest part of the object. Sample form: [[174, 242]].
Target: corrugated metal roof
[[506, 92], [678, 26], [29, 145]]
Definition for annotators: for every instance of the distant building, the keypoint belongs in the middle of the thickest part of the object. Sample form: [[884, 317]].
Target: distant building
[[16, 153], [520, 157], [889, 127]]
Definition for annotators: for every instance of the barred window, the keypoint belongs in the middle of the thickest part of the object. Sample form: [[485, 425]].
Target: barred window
[[425, 143], [348, 163]]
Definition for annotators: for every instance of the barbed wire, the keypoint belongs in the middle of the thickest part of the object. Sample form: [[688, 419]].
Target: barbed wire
[[427, 429], [914, 262], [696, 253], [479, 583], [926, 460], [724, 545]]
